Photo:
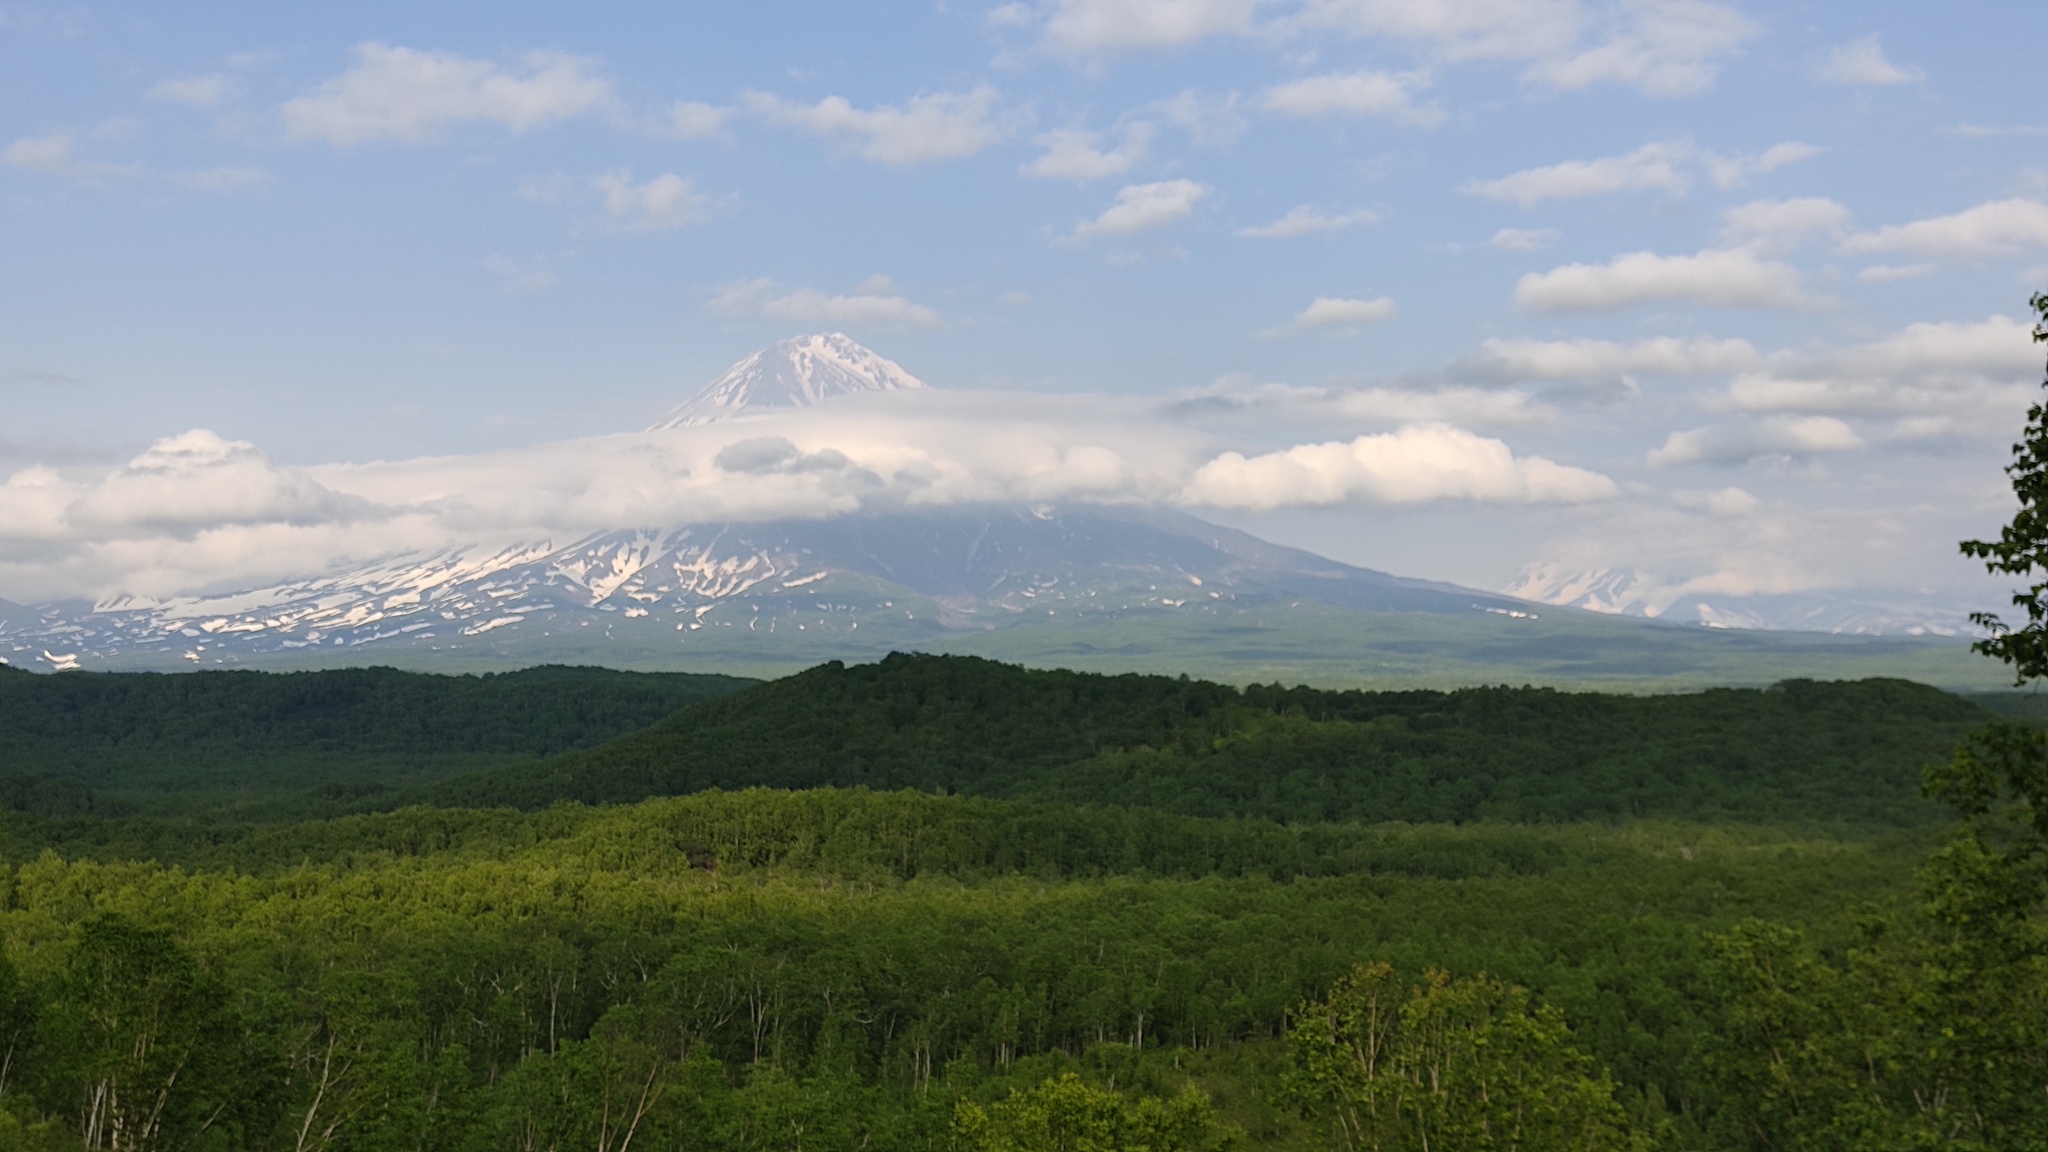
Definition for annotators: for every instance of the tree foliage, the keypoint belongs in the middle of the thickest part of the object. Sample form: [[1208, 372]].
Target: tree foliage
[[2022, 545], [1467, 1063], [1064, 1114]]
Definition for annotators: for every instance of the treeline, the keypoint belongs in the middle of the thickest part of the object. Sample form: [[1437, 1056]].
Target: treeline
[[88, 743], [858, 835], [249, 746], [1801, 751]]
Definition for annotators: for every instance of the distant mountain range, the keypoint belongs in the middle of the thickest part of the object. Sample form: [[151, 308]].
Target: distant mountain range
[[1629, 592], [1078, 584]]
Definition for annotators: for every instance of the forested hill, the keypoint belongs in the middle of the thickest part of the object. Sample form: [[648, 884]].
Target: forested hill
[[82, 741], [1799, 751]]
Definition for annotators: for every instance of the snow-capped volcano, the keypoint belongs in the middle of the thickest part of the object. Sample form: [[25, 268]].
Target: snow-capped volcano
[[852, 586], [794, 373]]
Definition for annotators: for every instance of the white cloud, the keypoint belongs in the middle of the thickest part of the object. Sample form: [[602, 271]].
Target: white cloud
[[1665, 166], [1663, 48], [1209, 121], [875, 303], [195, 91], [1418, 464], [1889, 273], [1384, 95], [1653, 167], [1076, 154], [517, 276], [934, 126], [1525, 239], [1337, 312], [1989, 131], [1735, 171], [692, 120], [1583, 359], [224, 179], [1985, 371], [1862, 64], [1796, 437], [413, 96], [666, 202], [1726, 503], [55, 155], [1307, 221], [1726, 277], [1774, 224], [1142, 207], [1464, 406], [1992, 229], [1667, 48], [199, 479], [1099, 27]]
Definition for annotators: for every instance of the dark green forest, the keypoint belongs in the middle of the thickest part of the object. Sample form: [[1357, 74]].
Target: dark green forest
[[219, 742], [937, 902]]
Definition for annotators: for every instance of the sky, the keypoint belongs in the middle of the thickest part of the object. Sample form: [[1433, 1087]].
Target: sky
[[1729, 294]]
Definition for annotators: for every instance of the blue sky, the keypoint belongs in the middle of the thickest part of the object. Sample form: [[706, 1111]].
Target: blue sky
[[1746, 263]]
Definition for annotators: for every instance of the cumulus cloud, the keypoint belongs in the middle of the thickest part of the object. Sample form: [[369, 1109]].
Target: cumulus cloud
[[1992, 131], [1143, 207], [1783, 223], [199, 479], [693, 120], [200, 92], [1653, 167], [1664, 49], [1726, 503], [57, 155], [1209, 121], [666, 202], [1795, 437], [1524, 239], [1098, 27], [190, 510], [223, 179], [929, 127], [1726, 277], [1992, 229], [1414, 465], [1862, 64], [519, 276], [1734, 171], [1984, 372], [1338, 312], [1384, 95], [1887, 273], [1307, 221], [1666, 166], [874, 303], [1671, 48], [1507, 361], [414, 97], [1371, 404], [1078, 155]]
